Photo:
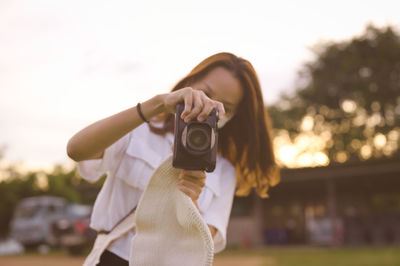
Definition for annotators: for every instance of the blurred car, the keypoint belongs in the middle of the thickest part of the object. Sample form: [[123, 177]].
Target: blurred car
[[72, 231], [33, 218]]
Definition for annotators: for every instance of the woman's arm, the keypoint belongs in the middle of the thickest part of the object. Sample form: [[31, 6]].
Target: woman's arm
[[90, 142]]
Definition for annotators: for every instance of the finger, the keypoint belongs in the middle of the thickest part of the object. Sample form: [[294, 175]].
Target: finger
[[193, 173], [188, 192], [196, 177], [197, 107], [208, 107], [220, 109], [188, 100], [193, 186], [200, 182], [194, 191]]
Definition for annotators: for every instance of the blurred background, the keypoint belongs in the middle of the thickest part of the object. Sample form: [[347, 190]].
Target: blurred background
[[330, 74]]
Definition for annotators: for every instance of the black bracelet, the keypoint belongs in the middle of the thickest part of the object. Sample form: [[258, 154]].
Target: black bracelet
[[139, 110]]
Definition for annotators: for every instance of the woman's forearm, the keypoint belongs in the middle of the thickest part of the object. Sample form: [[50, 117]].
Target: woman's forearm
[[90, 142]]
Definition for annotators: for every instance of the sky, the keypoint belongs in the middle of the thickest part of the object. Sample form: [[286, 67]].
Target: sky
[[66, 64]]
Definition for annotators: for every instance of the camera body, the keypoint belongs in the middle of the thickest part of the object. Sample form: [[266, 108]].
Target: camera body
[[196, 143]]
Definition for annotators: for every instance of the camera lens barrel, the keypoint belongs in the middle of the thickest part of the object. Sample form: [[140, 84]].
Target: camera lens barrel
[[198, 138]]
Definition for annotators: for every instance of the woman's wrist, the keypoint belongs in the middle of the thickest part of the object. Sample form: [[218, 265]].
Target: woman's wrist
[[153, 106]]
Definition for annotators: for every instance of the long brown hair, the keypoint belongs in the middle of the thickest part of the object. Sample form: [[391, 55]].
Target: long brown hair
[[246, 139]]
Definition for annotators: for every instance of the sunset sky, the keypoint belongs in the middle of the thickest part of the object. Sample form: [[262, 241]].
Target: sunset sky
[[66, 64]]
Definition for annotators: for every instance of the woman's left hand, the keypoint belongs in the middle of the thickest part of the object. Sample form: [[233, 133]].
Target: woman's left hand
[[191, 183]]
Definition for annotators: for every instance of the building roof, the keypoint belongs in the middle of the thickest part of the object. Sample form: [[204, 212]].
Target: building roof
[[343, 170]]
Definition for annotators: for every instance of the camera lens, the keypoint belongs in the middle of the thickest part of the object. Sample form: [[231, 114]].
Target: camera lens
[[198, 137]]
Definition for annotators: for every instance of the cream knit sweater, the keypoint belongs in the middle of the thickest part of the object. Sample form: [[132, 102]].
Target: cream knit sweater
[[169, 228]]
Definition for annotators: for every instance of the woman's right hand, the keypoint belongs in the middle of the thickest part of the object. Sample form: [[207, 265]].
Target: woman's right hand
[[197, 104]]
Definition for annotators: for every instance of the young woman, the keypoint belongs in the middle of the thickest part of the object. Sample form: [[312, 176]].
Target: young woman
[[129, 150]]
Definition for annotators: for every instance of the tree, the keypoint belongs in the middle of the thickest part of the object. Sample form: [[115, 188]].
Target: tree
[[346, 104]]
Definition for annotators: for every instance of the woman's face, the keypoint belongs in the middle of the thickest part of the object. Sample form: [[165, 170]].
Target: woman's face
[[220, 85]]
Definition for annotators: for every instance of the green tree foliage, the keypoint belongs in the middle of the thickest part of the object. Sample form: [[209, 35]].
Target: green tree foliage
[[350, 95]]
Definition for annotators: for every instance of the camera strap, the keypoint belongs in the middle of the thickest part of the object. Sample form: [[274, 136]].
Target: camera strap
[[104, 239]]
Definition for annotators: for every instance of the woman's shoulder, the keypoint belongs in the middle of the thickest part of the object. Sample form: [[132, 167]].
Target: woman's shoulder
[[225, 165]]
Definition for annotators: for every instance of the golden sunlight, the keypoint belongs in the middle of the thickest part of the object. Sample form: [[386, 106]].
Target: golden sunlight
[[287, 155], [379, 140], [366, 151], [321, 159], [305, 160], [341, 156], [307, 124], [305, 151], [349, 106]]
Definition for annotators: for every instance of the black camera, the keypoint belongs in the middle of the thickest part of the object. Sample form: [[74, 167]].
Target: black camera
[[196, 143]]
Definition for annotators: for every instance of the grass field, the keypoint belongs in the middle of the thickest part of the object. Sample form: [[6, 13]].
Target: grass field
[[299, 256], [307, 256]]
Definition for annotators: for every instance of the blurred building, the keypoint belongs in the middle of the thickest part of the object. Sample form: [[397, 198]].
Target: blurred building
[[341, 204]]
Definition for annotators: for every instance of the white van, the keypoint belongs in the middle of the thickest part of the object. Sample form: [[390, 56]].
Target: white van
[[33, 217]]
